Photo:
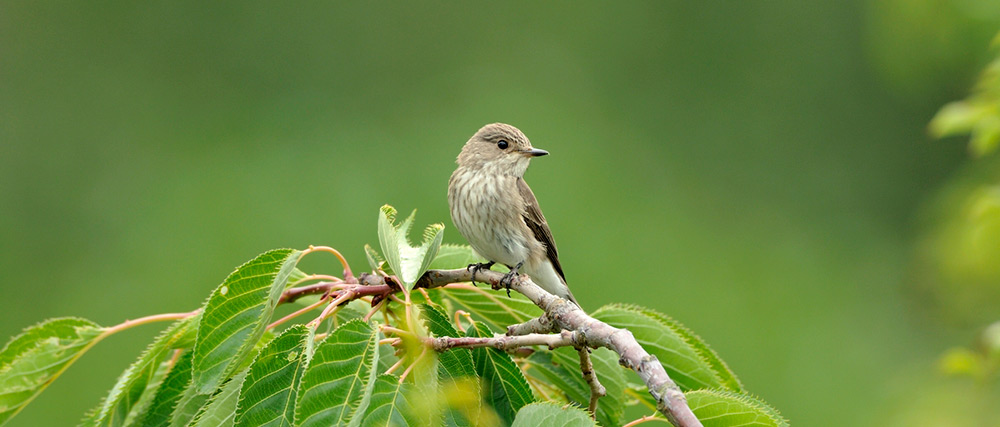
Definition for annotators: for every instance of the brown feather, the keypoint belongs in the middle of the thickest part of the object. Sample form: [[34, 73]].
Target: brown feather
[[535, 221]]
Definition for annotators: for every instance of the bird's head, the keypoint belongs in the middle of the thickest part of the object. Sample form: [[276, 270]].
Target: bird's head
[[500, 147]]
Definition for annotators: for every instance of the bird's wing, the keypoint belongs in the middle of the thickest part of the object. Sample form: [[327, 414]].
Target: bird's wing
[[535, 221]]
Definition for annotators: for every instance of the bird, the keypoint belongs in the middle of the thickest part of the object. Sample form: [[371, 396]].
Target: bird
[[496, 211]]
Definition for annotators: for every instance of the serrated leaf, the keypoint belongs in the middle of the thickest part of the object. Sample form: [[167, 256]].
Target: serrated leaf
[[388, 405], [237, 314], [169, 393], [271, 386], [451, 257], [141, 406], [117, 405], [453, 366], [375, 260], [504, 386], [551, 414], [189, 404], [561, 367], [687, 359], [454, 363], [724, 408], [221, 408], [407, 261], [335, 382], [491, 307], [36, 357], [728, 377]]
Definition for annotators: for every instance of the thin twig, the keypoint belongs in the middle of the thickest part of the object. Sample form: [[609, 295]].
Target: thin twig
[[458, 322], [394, 366], [410, 368], [644, 419], [148, 319], [345, 295], [292, 294], [396, 331], [373, 311], [597, 390], [504, 342], [391, 341], [343, 261], [297, 313]]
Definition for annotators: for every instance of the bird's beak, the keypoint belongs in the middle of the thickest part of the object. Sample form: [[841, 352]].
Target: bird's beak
[[534, 152]]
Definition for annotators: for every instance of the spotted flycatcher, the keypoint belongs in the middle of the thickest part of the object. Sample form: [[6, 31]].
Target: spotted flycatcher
[[498, 214]]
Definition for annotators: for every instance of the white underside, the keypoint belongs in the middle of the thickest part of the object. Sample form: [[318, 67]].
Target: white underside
[[545, 275]]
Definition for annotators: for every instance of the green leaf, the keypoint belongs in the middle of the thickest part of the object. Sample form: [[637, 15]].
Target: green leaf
[[728, 377], [220, 409], [453, 366], [724, 408], [551, 414], [375, 260], [192, 403], [189, 404], [451, 257], [237, 314], [32, 360], [141, 406], [491, 307], [169, 393], [270, 389], [407, 261], [334, 384], [455, 363], [504, 386], [561, 367], [955, 118], [119, 402], [686, 358], [388, 405]]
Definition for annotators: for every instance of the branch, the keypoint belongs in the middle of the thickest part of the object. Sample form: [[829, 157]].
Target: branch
[[292, 294], [597, 390], [507, 342], [563, 315], [560, 315]]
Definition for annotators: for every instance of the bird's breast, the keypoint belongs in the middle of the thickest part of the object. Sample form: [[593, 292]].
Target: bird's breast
[[486, 210]]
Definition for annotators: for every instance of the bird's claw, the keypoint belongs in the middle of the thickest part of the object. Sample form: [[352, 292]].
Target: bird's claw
[[509, 278], [506, 280], [475, 267]]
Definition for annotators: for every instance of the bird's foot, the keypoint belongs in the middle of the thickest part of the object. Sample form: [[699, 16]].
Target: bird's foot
[[474, 268], [509, 278]]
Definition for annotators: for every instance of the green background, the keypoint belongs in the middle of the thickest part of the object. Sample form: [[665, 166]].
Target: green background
[[760, 171]]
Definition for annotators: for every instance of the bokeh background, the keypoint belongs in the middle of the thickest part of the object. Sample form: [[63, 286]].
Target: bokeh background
[[761, 171]]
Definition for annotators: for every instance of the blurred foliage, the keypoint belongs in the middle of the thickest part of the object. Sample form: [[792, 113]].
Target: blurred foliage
[[978, 115], [981, 363], [957, 267], [958, 263], [929, 48]]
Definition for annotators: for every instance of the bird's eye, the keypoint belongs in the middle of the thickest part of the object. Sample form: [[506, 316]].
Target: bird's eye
[[502, 144]]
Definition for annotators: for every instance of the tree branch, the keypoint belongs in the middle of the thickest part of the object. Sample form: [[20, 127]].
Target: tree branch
[[563, 315], [506, 342], [578, 329]]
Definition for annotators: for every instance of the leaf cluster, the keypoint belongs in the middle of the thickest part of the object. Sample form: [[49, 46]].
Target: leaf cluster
[[223, 365]]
